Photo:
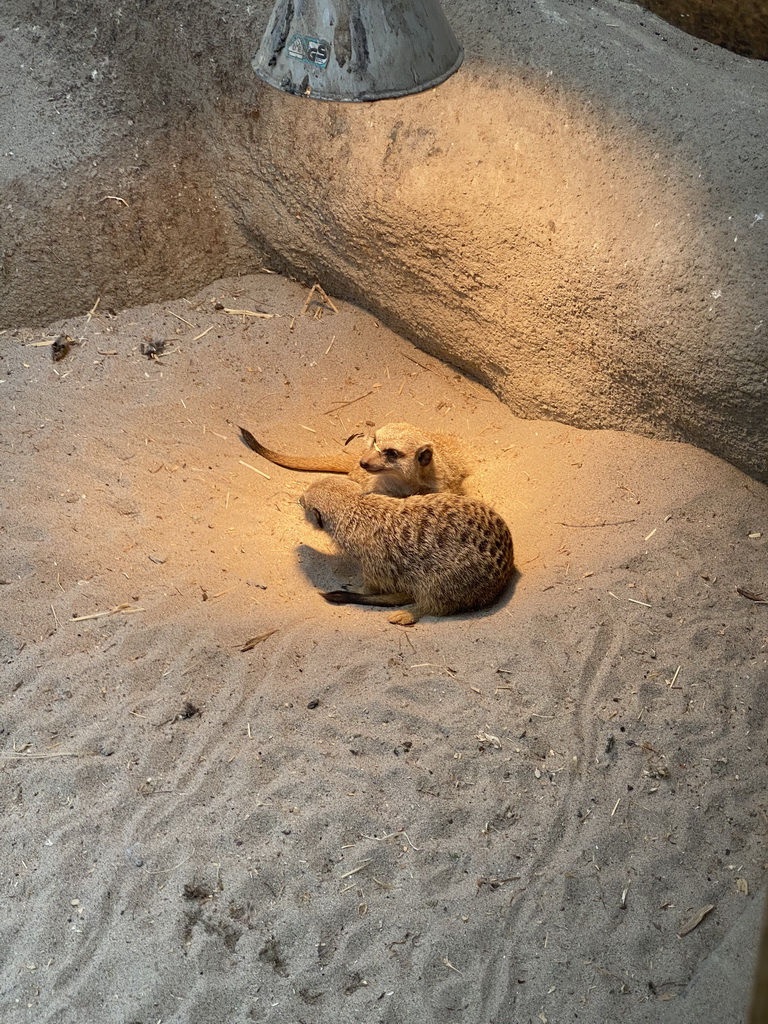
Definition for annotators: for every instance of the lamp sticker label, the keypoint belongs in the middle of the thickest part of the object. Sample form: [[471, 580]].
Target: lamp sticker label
[[309, 50]]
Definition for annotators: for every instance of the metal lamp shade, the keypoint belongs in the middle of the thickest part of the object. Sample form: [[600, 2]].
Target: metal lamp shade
[[356, 51]]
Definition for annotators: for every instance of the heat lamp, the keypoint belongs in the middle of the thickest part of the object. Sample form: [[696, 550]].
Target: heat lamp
[[356, 51]]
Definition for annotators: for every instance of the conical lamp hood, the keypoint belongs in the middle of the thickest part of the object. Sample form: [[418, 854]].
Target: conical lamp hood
[[357, 50]]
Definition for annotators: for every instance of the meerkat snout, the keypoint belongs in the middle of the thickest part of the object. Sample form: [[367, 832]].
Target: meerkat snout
[[379, 460], [382, 460]]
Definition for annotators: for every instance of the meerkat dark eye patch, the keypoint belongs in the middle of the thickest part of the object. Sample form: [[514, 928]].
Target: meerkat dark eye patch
[[317, 517], [392, 454], [424, 455]]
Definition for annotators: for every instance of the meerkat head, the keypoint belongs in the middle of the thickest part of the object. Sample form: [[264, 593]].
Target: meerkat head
[[399, 449], [322, 499]]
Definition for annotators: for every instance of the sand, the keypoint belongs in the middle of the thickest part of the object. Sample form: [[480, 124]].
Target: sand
[[228, 801]]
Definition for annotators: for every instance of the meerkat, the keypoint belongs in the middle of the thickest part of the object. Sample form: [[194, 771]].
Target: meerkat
[[400, 460], [436, 553]]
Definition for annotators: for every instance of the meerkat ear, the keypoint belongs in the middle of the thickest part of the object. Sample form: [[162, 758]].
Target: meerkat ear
[[424, 455], [313, 516]]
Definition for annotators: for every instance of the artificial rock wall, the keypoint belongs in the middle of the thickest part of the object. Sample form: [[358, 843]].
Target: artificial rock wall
[[577, 217]]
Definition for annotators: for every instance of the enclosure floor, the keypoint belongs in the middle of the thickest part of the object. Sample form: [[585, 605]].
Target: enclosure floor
[[226, 800]]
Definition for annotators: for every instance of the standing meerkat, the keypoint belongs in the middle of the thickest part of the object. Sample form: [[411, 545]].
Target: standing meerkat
[[436, 553], [400, 460]]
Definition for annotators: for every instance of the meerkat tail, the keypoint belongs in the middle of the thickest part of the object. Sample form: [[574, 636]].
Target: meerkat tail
[[352, 597], [320, 464]]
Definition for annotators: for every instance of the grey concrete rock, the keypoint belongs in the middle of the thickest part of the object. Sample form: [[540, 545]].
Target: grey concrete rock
[[577, 218]]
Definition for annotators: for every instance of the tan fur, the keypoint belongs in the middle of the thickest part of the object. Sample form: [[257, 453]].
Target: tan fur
[[400, 460], [437, 553]]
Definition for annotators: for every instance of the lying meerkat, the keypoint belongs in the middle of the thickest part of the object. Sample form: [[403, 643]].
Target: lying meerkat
[[436, 553], [400, 460]]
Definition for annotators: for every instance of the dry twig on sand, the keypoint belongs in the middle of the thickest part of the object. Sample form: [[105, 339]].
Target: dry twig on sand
[[124, 609], [255, 640], [324, 301], [343, 405], [695, 921], [250, 312], [259, 471]]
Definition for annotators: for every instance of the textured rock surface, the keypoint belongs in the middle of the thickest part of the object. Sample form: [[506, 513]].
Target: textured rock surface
[[577, 218], [739, 25]]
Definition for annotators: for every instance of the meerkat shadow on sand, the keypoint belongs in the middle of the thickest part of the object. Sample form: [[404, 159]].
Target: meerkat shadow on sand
[[327, 570]]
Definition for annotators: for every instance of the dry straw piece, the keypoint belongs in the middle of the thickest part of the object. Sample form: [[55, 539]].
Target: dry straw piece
[[695, 921]]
